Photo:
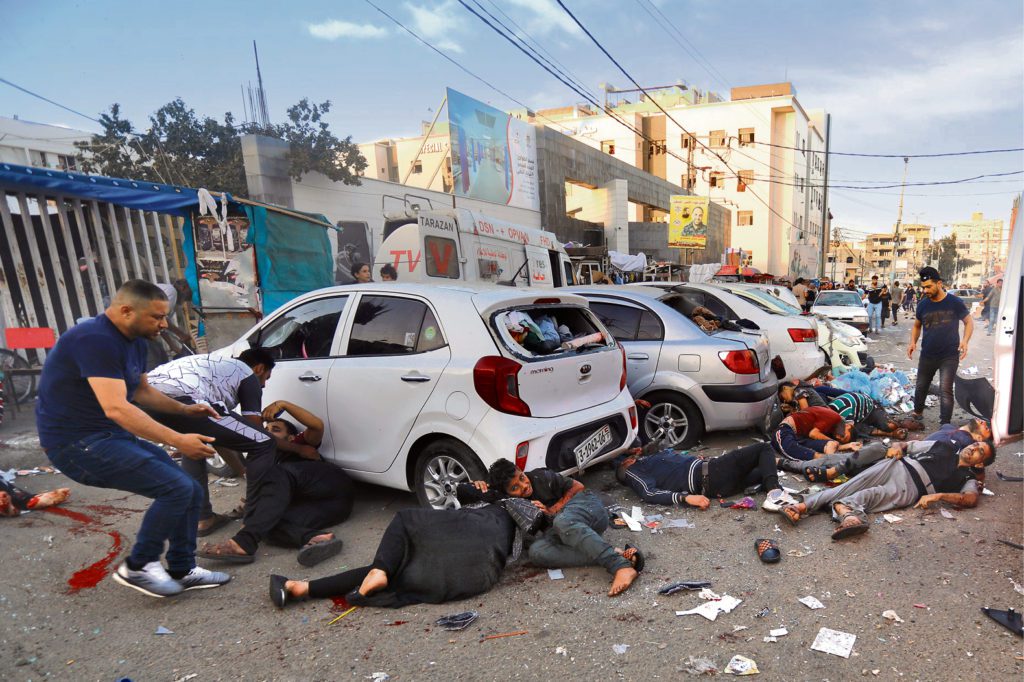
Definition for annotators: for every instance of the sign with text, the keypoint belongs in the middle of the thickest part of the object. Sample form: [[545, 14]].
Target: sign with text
[[688, 222], [494, 156]]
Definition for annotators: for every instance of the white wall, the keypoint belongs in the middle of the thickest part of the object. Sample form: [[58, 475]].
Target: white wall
[[37, 144]]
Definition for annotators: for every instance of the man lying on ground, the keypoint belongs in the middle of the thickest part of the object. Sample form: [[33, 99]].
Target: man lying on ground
[[578, 520], [923, 472], [14, 500], [300, 496], [679, 479], [973, 431], [869, 419], [807, 434], [425, 556]]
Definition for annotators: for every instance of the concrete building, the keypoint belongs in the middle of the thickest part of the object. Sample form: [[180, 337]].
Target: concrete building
[[760, 153], [845, 261], [895, 259], [982, 241], [27, 143]]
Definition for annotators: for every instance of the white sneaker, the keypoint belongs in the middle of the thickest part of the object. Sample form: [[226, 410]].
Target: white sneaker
[[200, 578], [152, 580], [777, 499]]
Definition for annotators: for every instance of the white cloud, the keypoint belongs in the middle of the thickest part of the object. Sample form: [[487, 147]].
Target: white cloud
[[547, 17], [438, 23], [948, 83], [334, 29]]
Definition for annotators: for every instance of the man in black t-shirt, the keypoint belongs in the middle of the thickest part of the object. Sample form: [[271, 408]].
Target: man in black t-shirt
[[874, 298], [579, 518], [939, 315]]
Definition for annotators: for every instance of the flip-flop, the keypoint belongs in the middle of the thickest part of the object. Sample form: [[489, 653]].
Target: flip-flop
[[219, 521], [311, 555], [768, 550], [638, 559], [278, 594], [816, 474], [225, 556], [783, 514], [850, 531]]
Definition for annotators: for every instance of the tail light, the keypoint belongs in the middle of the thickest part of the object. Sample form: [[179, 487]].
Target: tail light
[[740, 361], [622, 379], [496, 380], [632, 417], [522, 452], [799, 335]]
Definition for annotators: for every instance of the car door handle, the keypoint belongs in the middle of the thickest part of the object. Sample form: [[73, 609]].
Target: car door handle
[[638, 356], [415, 378], [309, 376]]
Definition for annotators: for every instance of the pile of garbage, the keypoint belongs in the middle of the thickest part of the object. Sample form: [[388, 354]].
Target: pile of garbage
[[891, 388]]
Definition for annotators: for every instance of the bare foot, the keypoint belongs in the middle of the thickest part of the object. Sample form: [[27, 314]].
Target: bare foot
[[374, 581], [227, 547], [621, 581], [7, 507], [49, 499], [296, 588], [317, 539]]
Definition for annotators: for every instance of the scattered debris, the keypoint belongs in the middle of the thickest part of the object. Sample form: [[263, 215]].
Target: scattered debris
[[850, 594], [227, 482], [745, 503], [1011, 544], [707, 593], [343, 615], [631, 523], [1009, 479], [1017, 587], [561, 651], [161, 630], [762, 613], [741, 665], [620, 648], [892, 518], [379, 677], [739, 628], [458, 621], [778, 632], [920, 606], [672, 588], [505, 634], [891, 615], [556, 574], [799, 553], [811, 602], [711, 609], [678, 523], [946, 514], [700, 666], [986, 491], [186, 678], [770, 639], [1009, 619], [834, 642]]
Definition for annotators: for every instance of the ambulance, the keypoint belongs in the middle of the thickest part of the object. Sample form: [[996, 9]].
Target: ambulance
[[441, 245]]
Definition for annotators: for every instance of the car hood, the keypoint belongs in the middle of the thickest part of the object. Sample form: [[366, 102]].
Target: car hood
[[840, 311]]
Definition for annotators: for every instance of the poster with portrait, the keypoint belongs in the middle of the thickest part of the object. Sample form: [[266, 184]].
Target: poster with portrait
[[688, 222], [225, 263], [351, 243]]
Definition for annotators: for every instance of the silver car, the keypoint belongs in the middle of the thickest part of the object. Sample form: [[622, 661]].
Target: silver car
[[696, 381]]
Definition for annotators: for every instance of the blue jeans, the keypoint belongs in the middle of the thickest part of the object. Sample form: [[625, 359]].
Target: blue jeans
[[574, 538], [874, 316], [993, 318], [123, 462]]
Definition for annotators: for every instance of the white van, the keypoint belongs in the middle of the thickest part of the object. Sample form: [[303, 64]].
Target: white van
[[438, 246]]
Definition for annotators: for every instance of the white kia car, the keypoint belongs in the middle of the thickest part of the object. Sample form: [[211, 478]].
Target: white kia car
[[842, 306], [424, 387]]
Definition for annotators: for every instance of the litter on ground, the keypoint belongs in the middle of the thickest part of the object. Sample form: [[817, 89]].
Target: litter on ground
[[811, 602], [834, 642], [711, 609], [741, 665]]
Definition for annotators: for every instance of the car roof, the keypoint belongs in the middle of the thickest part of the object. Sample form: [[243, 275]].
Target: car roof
[[488, 294], [626, 289]]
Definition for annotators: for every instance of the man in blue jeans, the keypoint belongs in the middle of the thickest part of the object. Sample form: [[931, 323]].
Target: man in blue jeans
[[93, 433], [939, 315], [578, 519], [873, 296]]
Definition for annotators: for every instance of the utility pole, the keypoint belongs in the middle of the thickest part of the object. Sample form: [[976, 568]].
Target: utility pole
[[899, 216]]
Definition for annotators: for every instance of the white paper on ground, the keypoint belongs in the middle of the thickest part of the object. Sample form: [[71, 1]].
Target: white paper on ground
[[892, 518], [555, 574], [678, 523], [630, 522], [638, 515], [811, 603], [946, 514], [711, 609], [778, 632], [834, 642]]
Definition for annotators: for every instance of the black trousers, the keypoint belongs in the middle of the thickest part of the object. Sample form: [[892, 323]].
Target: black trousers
[[19, 497], [926, 369], [304, 497], [390, 558], [739, 469], [894, 309], [230, 432]]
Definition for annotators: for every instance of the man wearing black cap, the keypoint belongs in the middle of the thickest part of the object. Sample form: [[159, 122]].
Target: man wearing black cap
[[939, 314]]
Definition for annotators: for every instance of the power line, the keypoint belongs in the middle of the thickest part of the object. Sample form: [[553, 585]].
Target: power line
[[972, 152], [48, 100]]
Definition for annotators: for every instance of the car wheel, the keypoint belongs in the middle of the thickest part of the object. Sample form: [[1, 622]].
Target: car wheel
[[440, 468], [672, 419], [218, 467]]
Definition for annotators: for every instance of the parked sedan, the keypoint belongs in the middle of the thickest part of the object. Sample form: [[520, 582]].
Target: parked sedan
[[844, 306], [424, 387], [696, 381]]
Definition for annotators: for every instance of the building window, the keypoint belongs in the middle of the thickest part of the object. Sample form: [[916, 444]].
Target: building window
[[688, 141], [66, 163], [687, 182], [743, 179], [417, 167], [744, 218], [716, 180], [746, 135], [849, 259], [608, 147], [716, 138]]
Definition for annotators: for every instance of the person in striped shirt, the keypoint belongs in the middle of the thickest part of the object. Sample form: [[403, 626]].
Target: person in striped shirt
[[868, 418]]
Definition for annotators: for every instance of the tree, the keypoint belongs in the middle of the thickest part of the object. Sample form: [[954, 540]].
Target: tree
[[182, 148], [944, 252]]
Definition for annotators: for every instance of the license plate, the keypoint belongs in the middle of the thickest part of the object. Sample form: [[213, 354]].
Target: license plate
[[586, 450]]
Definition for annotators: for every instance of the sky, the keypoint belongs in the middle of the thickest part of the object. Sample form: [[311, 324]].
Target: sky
[[910, 77]]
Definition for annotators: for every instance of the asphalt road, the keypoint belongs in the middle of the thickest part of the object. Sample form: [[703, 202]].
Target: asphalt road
[[934, 572]]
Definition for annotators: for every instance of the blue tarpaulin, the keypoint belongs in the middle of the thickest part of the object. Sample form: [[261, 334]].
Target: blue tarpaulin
[[293, 256]]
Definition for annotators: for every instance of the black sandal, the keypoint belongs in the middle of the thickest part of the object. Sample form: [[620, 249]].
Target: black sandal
[[816, 474], [768, 550], [278, 593], [842, 533], [219, 521], [311, 555], [638, 559]]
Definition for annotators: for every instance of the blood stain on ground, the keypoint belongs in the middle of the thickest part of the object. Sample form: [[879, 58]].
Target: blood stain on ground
[[340, 604], [397, 622], [91, 575]]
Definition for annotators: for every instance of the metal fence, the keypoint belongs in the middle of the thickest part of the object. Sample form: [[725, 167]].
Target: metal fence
[[62, 257]]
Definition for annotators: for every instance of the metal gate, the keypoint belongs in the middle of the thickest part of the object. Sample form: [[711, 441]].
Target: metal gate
[[61, 258]]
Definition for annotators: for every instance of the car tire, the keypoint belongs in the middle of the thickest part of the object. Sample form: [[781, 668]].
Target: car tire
[[218, 467], [441, 466], [673, 407]]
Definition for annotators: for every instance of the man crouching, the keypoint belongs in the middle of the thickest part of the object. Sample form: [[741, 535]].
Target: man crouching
[[578, 519]]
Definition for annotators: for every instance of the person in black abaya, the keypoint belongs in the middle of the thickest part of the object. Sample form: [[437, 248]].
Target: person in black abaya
[[425, 556]]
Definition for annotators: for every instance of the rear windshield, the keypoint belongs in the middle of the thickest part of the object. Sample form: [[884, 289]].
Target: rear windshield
[[766, 301], [693, 306], [544, 331], [838, 298]]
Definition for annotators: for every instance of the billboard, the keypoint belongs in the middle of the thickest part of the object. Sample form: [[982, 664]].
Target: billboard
[[494, 156], [688, 222]]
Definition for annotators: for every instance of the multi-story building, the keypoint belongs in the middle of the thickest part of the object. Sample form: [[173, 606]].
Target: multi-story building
[[423, 161], [984, 243], [897, 256], [845, 261], [38, 144], [760, 152]]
